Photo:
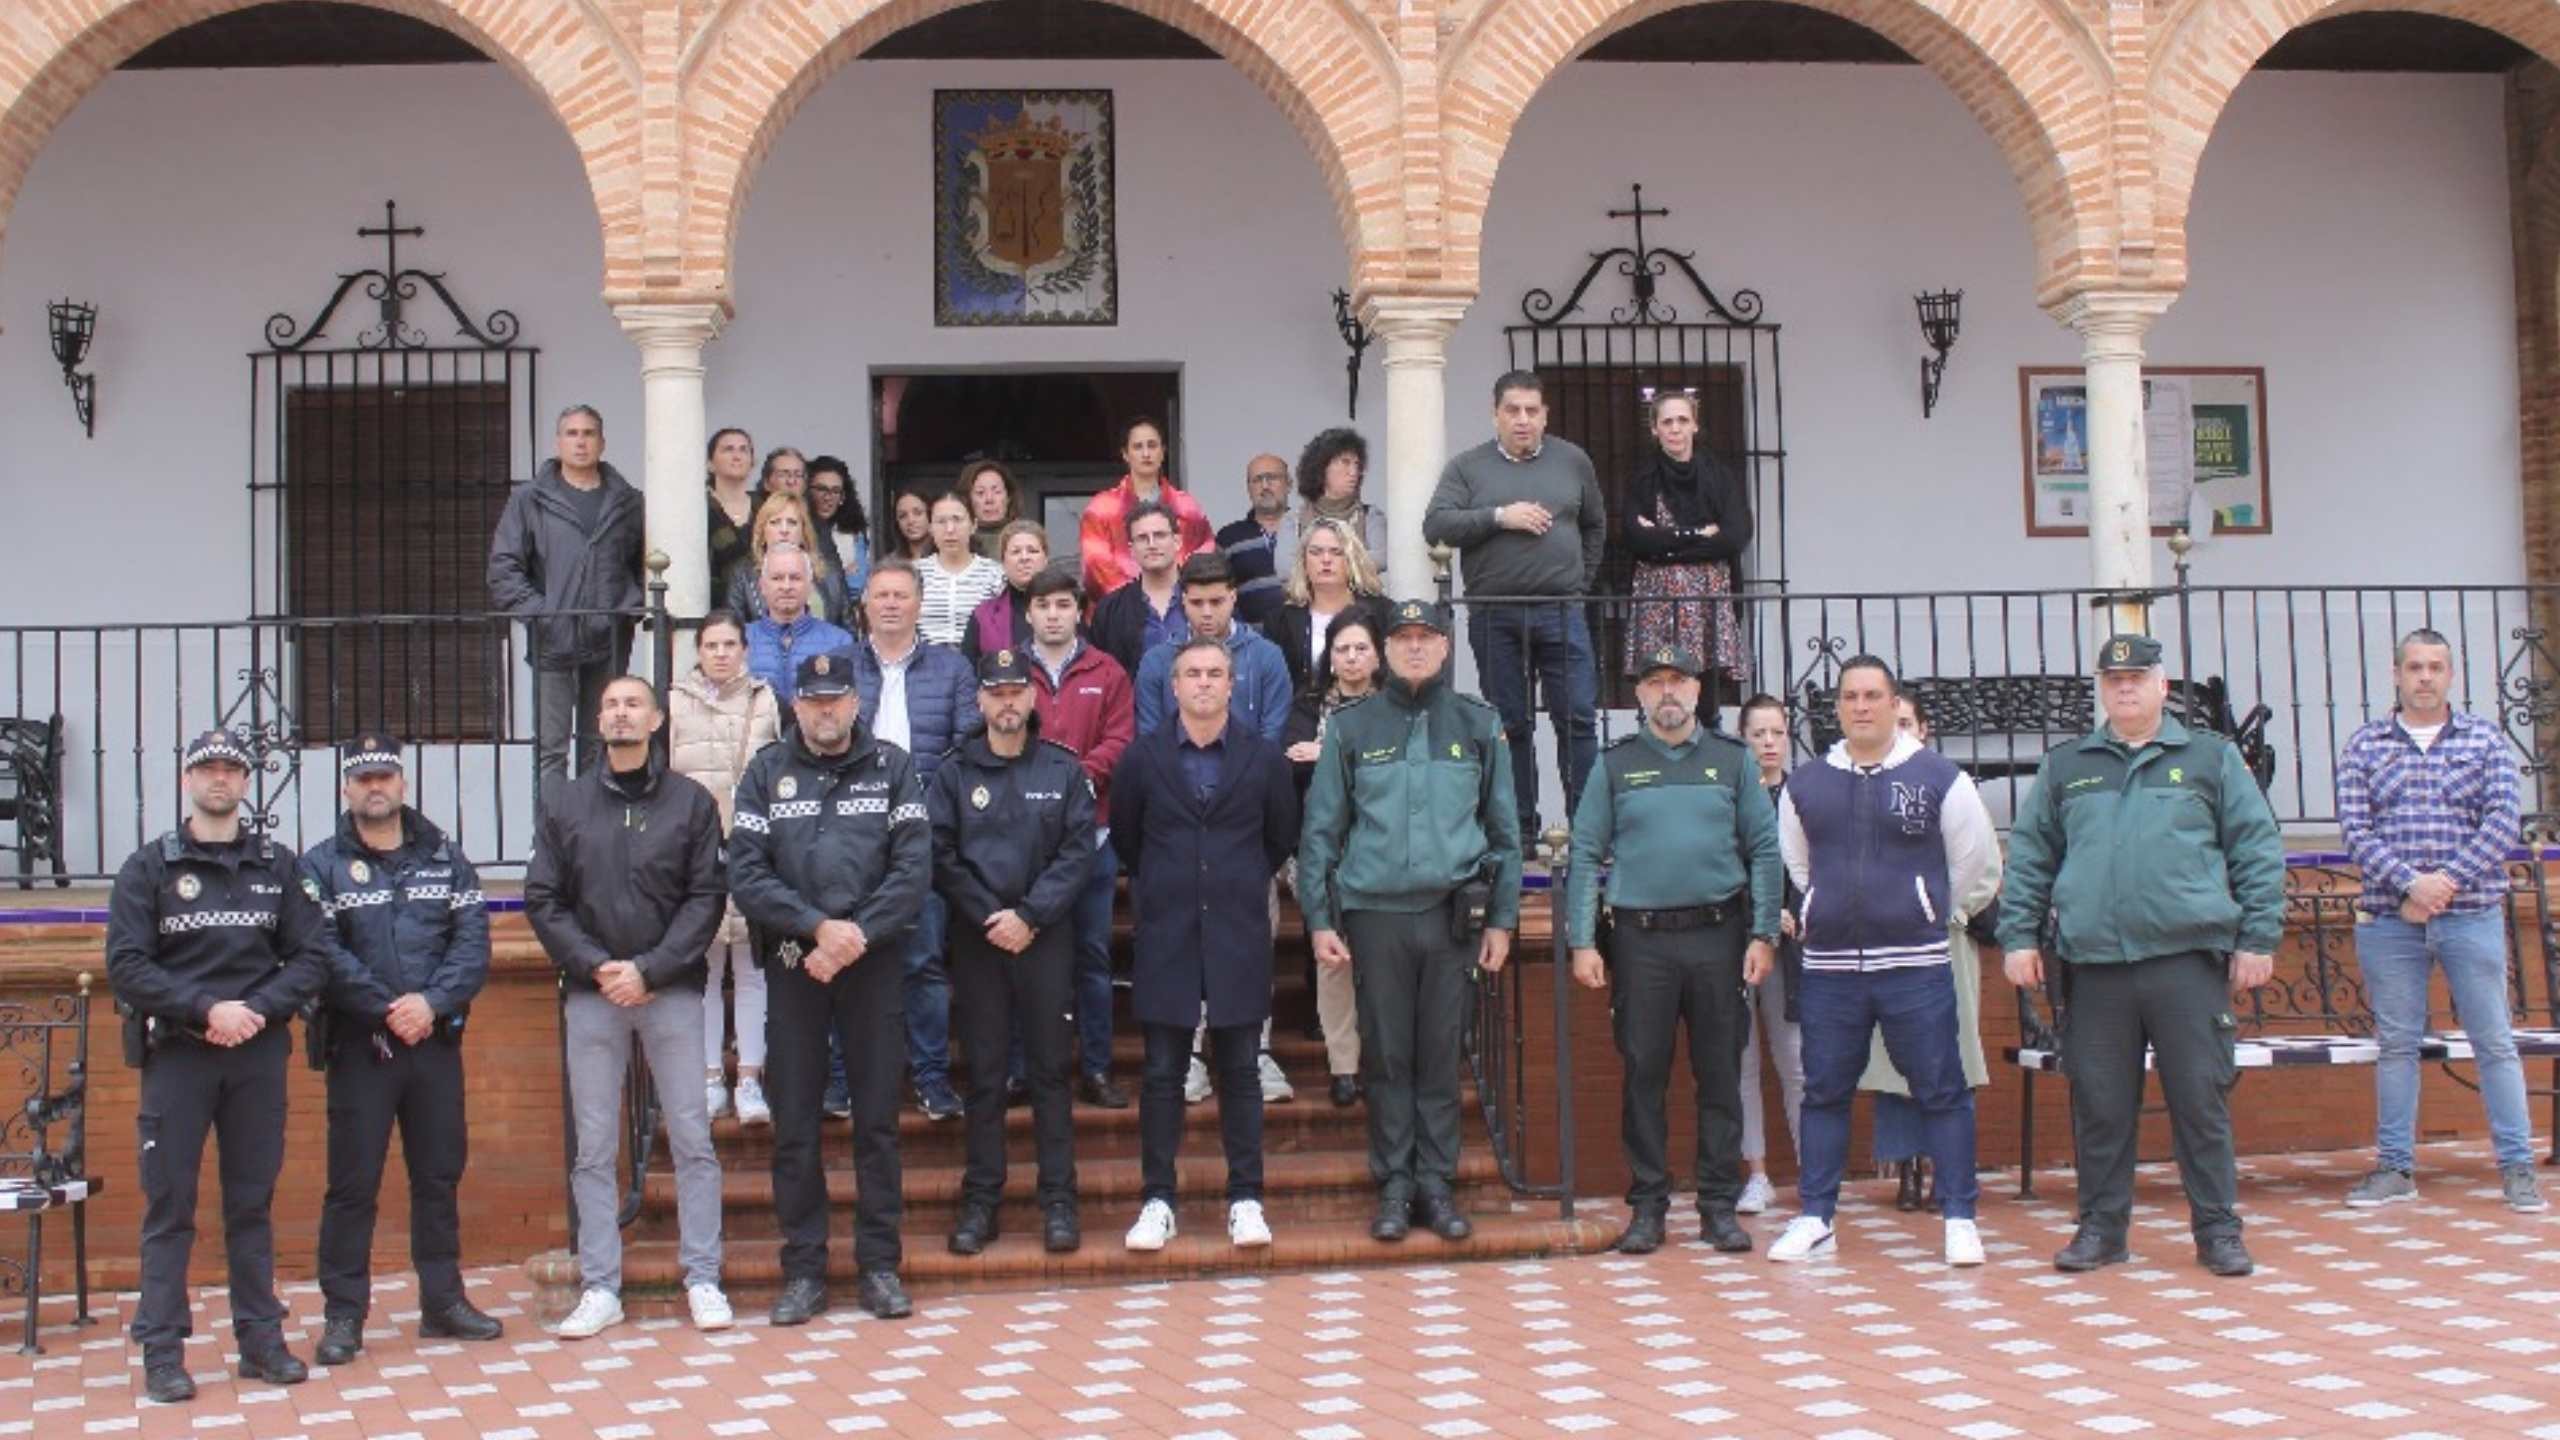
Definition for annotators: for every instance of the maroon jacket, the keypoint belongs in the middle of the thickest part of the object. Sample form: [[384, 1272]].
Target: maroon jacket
[[1092, 711]]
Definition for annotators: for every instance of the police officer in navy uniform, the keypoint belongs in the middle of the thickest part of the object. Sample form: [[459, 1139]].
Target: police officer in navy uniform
[[409, 949], [829, 859], [211, 948], [1012, 844]]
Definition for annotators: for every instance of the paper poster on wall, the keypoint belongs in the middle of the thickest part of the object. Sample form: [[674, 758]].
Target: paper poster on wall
[[2204, 431], [1023, 226]]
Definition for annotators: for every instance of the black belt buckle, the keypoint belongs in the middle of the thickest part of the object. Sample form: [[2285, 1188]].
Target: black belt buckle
[[1687, 917]]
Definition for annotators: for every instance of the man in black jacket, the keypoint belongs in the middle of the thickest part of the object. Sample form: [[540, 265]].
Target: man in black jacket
[[409, 948], [625, 892], [570, 541], [210, 947], [829, 859], [1012, 841]]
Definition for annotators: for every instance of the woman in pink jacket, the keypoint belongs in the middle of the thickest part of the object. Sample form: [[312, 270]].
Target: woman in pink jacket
[[719, 717]]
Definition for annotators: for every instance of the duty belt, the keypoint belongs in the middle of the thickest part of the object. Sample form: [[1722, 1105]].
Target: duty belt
[[1686, 917]]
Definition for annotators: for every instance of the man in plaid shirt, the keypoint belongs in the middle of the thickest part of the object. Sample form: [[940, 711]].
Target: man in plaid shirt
[[2427, 801]]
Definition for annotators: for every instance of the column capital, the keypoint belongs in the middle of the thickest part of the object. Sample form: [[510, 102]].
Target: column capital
[[653, 323], [1414, 327], [2118, 315]]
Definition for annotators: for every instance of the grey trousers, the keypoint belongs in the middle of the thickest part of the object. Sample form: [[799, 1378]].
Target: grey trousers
[[2181, 1006], [1416, 998], [669, 1031], [564, 707]]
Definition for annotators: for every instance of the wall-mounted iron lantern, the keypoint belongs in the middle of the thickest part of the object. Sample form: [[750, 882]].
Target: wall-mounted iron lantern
[[74, 324], [1941, 316]]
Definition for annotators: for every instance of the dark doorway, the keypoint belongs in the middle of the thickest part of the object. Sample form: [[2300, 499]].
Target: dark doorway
[[1058, 431]]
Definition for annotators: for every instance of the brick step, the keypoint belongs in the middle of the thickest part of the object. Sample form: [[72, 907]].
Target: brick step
[[1297, 1186], [1309, 1122], [752, 1274]]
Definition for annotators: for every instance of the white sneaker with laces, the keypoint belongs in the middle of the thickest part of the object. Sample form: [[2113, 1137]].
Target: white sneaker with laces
[[715, 1099], [1805, 1237], [710, 1307], [752, 1109], [1755, 1196], [1964, 1243], [1276, 1089], [1246, 1229], [1195, 1086], [596, 1310], [1155, 1226]]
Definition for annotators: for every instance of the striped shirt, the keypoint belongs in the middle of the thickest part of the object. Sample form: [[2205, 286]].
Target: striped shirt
[[2451, 806], [949, 600]]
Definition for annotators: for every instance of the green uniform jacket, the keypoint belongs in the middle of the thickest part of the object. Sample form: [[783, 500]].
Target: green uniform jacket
[[1688, 824], [2160, 851], [1411, 799]]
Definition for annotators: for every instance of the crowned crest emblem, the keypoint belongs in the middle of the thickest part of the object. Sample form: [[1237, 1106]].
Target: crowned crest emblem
[[360, 872], [788, 952], [189, 887], [1004, 657], [787, 787], [819, 665], [2120, 653], [978, 798]]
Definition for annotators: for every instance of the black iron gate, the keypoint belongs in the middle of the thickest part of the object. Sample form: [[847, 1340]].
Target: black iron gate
[[1600, 375], [378, 467]]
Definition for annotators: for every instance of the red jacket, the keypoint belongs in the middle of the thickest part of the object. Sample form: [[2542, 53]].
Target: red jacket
[[1091, 710], [1103, 538]]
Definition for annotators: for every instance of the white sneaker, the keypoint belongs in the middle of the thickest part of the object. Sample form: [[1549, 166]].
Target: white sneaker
[[715, 1099], [1755, 1196], [1805, 1238], [752, 1109], [1276, 1089], [1195, 1086], [1246, 1229], [596, 1310], [1964, 1243], [1155, 1226], [710, 1307]]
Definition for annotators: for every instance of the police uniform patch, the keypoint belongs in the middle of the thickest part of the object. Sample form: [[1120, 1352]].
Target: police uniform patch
[[311, 888], [2177, 776], [1457, 751], [788, 952], [787, 787], [978, 798], [362, 873], [189, 887]]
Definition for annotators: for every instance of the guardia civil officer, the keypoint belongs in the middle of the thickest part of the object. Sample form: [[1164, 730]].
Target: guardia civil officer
[[408, 949], [2154, 849], [1694, 888], [1012, 842], [211, 948], [1409, 873], [829, 859]]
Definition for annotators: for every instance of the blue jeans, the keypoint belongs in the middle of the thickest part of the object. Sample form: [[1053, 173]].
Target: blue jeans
[[1915, 1007], [1553, 641], [929, 998], [1092, 992], [2472, 948]]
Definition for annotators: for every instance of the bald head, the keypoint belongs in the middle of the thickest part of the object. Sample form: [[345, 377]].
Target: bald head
[[1266, 487]]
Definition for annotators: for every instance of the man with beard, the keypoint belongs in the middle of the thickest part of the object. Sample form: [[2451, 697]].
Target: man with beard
[[829, 860], [1694, 876], [1012, 840], [1251, 544], [409, 949], [210, 947]]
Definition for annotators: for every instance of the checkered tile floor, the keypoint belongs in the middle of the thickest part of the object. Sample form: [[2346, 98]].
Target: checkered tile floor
[[2435, 1318]]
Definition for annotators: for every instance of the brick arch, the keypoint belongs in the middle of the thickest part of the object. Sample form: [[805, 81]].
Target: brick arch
[[2031, 74], [2207, 47], [52, 55], [1327, 68]]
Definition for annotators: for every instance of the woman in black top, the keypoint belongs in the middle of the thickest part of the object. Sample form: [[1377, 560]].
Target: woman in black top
[[1688, 522], [1332, 576], [1347, 675]]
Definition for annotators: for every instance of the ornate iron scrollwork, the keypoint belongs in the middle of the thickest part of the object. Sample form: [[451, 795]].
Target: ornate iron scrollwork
[[391, 288], [1644, 266], [2529, 711], [274, 748]]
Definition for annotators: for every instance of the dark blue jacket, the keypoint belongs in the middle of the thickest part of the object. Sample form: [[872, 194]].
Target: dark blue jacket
[[1876, 848], [409, 922], [1200, 877], [942, 700]]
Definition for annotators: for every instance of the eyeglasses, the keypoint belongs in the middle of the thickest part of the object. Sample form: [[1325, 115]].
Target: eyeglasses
[[778, 473], [1258, 479]]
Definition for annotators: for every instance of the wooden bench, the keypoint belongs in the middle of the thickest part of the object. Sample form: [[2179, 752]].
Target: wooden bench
[[45, 1044], [1999, 726], [31, 794], [2313, 1012]]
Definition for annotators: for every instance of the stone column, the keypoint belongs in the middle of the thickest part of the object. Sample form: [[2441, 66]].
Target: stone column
[[1415, 330], [671, 337], [2111, 326]]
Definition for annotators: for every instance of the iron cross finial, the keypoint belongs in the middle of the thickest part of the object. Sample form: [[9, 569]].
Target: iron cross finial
[[1637, 214], [391, 230]]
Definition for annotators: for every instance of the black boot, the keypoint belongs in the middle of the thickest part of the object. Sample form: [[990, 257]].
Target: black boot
[[1441, 1213], [268, 1360], [341, 1340], [1097, 1089], [460, 1320], [2224, 1255], [1346, 1091], [977, 1226], [1643, 1234], [165, 1379], [803, 1299], [2090, 1249], [1723, 1231], [1060, 1234], [1395, 1219], [883, 1296], [1906, 1196]]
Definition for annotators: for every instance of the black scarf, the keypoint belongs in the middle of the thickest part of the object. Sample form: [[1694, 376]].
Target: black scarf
[[1691, 491]]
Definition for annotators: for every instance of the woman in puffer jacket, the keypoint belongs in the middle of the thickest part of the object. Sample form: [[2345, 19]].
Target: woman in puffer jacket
[[719, 717]]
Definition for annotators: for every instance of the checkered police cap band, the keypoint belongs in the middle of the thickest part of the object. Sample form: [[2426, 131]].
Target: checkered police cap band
[[217, 745]]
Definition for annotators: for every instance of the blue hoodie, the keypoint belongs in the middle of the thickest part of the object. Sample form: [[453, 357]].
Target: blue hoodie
[[1261, 699]]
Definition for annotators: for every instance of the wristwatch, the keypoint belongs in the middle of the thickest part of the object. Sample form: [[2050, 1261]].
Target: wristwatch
[[1769, 940]]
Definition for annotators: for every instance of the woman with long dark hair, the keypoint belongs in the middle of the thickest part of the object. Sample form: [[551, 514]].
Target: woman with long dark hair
[[1346, 673], [727, 461], [842, 526], [911, 526]]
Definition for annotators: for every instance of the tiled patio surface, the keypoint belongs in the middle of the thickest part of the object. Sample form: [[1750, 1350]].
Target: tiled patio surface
[[2438, 1318]]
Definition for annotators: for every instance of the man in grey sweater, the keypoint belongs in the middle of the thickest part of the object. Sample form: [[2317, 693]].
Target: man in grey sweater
[[1525, 513]]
